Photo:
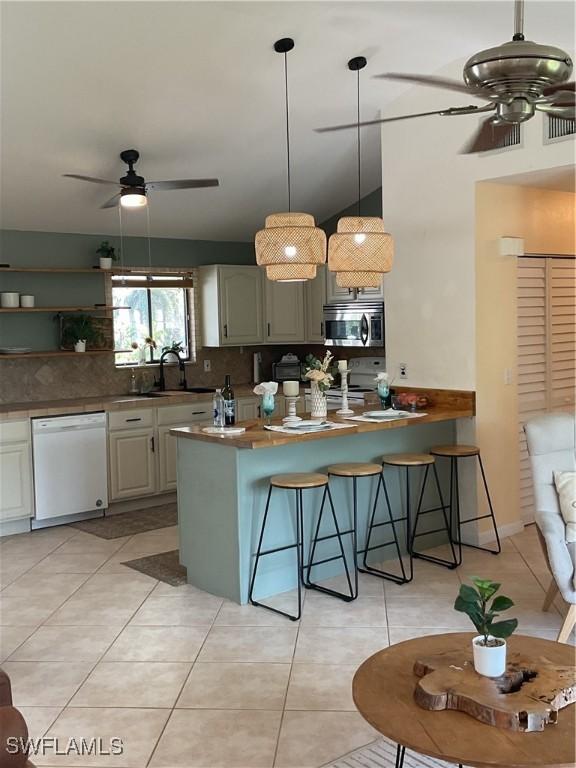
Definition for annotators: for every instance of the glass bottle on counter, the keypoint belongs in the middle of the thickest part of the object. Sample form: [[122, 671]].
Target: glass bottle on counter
[[218, 408], [229, 403]]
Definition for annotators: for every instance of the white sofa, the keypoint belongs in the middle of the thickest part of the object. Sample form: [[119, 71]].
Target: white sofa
[[551, 442]]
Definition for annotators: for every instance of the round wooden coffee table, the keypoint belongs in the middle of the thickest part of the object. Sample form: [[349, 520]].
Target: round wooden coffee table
[[383, 691]]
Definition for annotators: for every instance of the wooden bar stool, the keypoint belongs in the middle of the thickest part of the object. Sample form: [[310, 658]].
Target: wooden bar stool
[[455, 452], [356, 470], [409, 461], [299, 482]]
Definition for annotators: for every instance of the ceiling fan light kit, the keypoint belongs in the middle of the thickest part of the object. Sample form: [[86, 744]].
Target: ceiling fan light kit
[[290, 246], [360, 251], [133, 197]]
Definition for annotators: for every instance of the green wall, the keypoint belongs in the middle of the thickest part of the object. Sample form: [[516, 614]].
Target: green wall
[[58, 249]]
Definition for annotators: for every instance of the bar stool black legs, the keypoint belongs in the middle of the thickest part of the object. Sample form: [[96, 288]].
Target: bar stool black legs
[[300, 482], [454, 453], [443, 529], [369, 547]]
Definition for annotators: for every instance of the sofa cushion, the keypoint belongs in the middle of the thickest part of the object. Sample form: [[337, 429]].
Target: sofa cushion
[[565, 483]]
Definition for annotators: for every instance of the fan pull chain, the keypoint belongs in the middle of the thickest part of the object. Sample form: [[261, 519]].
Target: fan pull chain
[[121, 243], [148, 236]]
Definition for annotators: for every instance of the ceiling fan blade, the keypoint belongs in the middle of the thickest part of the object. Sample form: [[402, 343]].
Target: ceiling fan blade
[[434, 82], [112, 203], [444, 112], [183, 184], [89, 178], [561, 99], [488, 136], [563, 111], [559, 87]]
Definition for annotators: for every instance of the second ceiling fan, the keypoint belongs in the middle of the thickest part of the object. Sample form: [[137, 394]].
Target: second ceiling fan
[[516, 78], [134, 188]]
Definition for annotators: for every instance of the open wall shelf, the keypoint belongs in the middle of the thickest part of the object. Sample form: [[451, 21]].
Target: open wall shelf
[[93, 308]]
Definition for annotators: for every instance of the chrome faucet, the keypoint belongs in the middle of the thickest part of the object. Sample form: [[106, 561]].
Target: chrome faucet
[[161, 383]]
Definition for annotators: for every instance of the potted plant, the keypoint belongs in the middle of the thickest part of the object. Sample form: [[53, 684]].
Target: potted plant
[[489, 647], [107, 254], [79, 330], [318, 373]]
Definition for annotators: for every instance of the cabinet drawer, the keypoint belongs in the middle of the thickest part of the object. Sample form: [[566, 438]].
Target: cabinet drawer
[[133, 419], [185, 414], [12, 431]]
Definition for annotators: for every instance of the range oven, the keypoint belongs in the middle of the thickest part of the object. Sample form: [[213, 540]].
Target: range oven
[[354, 324]]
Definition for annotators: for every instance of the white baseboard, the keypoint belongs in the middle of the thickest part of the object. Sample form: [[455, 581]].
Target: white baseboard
[[11, 527], [504, 531]]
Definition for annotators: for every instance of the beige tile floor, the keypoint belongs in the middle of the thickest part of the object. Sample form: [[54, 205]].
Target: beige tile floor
[[188, 680]]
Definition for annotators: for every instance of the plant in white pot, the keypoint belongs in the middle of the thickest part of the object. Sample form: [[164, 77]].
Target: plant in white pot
[[107, 254], [78, 330], [489, 647]]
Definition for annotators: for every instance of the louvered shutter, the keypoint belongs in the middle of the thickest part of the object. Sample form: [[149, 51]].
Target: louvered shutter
[[532, 363], [546, 293]]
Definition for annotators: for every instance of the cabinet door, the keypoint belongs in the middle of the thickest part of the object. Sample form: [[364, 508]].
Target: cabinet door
[[336, 294], [166, 459], [240, 296], [247, 408], [16, 481], [315, 300], [284, 312], [132, 464]]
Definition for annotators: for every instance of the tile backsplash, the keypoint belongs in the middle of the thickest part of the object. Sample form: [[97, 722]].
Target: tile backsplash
[[53, 378]]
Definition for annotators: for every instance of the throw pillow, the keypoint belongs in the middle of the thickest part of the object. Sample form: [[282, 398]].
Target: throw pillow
[[565, 483]]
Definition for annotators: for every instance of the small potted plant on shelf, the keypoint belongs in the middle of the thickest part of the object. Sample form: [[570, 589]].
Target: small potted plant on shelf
[[318, 373], [107, 254], [489, 647], [79, 330]]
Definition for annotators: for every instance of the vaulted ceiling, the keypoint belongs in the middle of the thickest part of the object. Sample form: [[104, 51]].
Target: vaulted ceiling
[[197, 88]]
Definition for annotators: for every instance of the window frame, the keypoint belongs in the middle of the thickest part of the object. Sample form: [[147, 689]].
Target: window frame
[[187, 285]]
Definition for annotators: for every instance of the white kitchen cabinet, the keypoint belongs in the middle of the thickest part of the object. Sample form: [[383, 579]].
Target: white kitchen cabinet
[[16, 497], [132, 463], [168, 418], [231, 305], [315, 299], [335, 294], [284, 310], [247, 408]]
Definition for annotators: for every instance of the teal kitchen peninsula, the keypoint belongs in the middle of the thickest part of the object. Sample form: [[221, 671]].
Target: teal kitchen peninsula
[[223, 484]]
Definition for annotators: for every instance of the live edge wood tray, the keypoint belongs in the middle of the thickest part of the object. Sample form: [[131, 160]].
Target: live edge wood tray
[[527, 697]]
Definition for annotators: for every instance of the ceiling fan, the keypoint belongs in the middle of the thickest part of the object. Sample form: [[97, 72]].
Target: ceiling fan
[[515, 78], [134, 188]]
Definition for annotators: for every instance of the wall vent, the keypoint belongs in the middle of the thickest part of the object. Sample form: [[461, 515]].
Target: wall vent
[[512, 139], [556, 129]]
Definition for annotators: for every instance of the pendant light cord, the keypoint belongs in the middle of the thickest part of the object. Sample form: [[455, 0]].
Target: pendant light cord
[[287, 128], [358, 136]]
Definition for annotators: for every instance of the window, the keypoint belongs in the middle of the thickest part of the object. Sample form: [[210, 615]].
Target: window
[[152, 306]]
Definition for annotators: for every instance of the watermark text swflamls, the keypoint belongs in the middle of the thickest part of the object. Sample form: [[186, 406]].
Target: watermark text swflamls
[[49, 745]]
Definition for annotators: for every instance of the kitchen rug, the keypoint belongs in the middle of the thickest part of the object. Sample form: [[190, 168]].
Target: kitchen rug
[[164, 566], [382, 754], [131, 523]]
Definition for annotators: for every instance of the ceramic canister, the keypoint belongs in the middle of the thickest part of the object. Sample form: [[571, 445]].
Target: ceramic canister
[[9, 300], [26, 300]]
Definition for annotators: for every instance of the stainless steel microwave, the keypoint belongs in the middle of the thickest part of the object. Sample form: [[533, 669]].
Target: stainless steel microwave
[[354, 324]]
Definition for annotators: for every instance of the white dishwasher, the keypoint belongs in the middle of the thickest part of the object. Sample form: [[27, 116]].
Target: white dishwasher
[[70, 465]]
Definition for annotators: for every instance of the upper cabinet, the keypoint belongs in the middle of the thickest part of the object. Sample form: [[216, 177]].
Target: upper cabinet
[[315, 300], [231, 305], [284, 309], [335, 294]]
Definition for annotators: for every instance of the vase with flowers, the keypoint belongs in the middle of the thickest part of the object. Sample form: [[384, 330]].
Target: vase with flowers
[[147, 344], [318, 374]]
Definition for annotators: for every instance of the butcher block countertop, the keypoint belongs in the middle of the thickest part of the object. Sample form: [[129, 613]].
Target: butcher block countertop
[[449, 405], [42, 408]]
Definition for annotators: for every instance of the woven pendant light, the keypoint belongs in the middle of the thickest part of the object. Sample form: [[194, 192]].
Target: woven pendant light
[[360, 251], [290, 246]]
